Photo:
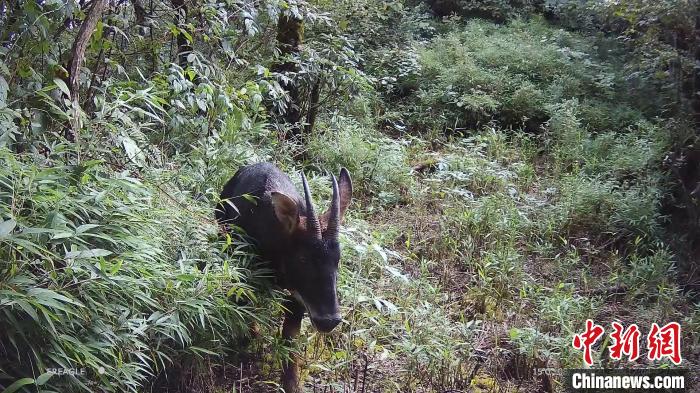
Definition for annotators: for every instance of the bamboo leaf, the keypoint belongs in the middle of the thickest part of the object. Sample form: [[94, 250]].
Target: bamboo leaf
[[6, 227], [18, 384], [62, 86], [86, 254], [43, 378]]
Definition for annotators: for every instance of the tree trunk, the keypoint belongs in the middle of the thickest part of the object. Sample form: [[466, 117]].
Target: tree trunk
[[139, 12], [80, 45], [77, 57], [290, 33]]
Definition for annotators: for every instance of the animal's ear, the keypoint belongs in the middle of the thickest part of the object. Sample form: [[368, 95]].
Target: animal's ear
[[345, 188], [286, 211]]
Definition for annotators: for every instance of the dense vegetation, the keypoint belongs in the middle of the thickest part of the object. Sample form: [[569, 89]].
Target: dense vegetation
[[519, 167]]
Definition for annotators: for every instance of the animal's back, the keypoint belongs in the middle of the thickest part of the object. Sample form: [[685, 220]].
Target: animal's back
[[255, 214]]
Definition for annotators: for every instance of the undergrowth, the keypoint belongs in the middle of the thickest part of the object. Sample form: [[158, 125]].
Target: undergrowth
[[101, 276], [506, 190]]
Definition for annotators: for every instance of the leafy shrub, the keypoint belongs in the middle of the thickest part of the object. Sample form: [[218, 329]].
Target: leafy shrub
[[398, 71], [101, 272], [596, 206], [636, 153], [513, 74], [377, 163], [568, 134], [650, 274], [601, 116], [654, 45]]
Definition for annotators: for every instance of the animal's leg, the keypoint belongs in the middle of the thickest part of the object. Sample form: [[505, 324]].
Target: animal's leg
[[290, 331]]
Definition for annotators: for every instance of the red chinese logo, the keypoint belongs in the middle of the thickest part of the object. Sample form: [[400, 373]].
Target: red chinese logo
[[625, 342], [665, 342], [586, 339], [662, 342]]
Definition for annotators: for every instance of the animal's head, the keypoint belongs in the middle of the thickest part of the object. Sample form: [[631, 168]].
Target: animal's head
[[311, 268]]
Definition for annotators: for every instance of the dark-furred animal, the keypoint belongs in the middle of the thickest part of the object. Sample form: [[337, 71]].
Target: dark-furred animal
[[302, 246]]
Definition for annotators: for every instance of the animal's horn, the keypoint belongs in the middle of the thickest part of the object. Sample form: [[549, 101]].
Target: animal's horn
[[311, 220], [334, 216]]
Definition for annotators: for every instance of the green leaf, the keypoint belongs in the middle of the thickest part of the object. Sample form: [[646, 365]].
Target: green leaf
[[250, 198], [187, 35], [62, 235], [48, 297], [381, 252], [233, 206], [62, 85], [85, 228], [18, 384], [4, 87], [396, 273], [43, 378], [28, 309], [200, 349], [98, 31], [6, 227], [85, 254], [133, 151]]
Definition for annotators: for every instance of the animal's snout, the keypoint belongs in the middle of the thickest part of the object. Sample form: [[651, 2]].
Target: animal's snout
[[326, 324]]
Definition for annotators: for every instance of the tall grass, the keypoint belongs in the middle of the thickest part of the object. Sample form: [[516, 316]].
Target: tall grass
[[100, 274]]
